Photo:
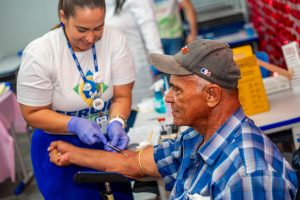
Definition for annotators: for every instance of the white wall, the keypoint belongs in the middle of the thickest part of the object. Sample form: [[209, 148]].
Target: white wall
[[21, 21]]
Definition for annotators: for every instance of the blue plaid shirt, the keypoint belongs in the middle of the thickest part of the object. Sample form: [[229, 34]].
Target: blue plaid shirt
[[237, 162]]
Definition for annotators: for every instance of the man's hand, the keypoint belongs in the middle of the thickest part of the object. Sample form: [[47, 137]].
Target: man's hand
[[117, 135], [87, 130], [59, 153]]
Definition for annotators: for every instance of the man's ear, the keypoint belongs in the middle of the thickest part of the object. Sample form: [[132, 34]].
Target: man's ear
[[214, 93]]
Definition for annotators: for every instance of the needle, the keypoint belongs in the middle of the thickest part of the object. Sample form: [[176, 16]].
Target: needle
[[117, 149]]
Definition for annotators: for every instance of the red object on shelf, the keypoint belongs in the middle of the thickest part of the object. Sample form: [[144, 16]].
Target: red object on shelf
[[277, 22]]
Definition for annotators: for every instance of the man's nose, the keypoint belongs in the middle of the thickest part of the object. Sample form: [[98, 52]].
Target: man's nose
[[169, 96]]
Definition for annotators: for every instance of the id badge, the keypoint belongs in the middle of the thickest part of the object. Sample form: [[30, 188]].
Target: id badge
[[102, 122]]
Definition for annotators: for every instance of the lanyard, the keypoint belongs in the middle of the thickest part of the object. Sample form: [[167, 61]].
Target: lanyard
[[77, 62]]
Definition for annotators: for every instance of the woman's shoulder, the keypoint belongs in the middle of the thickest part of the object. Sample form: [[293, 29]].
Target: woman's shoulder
[[112, 36], [46, 43], [111, 32]]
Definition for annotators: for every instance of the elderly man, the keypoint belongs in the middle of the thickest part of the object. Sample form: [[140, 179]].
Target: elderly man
[[223, 155]]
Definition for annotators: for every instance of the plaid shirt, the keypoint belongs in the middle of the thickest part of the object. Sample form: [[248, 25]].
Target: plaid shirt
[[237, 162]]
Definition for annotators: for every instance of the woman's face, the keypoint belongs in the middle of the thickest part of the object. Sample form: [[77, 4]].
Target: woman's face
[[84, 28]]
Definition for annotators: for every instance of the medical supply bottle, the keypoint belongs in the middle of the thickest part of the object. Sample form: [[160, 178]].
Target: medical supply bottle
[[159, 104]]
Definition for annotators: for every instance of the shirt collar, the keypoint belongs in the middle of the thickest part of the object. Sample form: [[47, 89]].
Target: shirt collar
[[211, 150]]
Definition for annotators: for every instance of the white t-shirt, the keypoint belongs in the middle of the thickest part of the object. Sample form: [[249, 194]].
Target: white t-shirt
[[137, 21], [168, 18], [48, 74]]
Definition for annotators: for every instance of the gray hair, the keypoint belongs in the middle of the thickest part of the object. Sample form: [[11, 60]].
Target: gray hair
[[201, 83]]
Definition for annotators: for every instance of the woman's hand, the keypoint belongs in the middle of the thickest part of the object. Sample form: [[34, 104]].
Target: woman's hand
[[87, 130], [117, 135]]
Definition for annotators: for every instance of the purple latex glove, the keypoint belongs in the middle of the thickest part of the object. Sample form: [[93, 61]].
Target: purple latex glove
[[117, 135], [87, 130]]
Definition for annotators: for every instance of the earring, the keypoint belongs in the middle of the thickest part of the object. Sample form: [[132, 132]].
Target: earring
[[62, 25]]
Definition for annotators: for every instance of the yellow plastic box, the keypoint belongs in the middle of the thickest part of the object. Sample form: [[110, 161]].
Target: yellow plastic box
[[252, 93]]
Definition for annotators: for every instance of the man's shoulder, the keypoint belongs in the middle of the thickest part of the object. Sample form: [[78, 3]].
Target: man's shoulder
[[257, 158], [255, 149], [249, 153]]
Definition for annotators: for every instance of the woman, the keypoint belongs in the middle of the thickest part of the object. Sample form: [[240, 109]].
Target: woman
[[135, 18], [70, 81]]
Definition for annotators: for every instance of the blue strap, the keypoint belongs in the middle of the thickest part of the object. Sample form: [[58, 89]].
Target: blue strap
[[77, 62]]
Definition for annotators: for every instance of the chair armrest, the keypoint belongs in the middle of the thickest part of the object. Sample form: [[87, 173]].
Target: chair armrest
[[99, 177]]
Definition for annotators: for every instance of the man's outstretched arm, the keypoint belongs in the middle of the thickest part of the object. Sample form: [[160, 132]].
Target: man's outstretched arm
[[136, 165]]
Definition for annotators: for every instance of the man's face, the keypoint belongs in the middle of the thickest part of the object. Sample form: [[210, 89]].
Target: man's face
[[85, 28], [188, 100]]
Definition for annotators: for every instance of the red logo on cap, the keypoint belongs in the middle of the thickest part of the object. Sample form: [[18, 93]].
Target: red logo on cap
[[184, 50]]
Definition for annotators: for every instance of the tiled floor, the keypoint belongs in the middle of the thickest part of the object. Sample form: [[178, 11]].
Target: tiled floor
[[31, 193], [7, 188]]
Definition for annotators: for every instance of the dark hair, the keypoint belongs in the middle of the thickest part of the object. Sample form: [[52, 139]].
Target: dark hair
[[119, 5], [69, 6]]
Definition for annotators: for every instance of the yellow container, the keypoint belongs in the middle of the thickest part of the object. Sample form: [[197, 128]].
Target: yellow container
[[252, 93]]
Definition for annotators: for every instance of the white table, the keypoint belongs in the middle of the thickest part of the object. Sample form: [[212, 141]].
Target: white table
[[284, 114]]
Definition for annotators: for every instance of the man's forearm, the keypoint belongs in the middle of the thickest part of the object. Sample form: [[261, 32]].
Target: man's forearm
[[107, 161], [86, 158], [135, 165]]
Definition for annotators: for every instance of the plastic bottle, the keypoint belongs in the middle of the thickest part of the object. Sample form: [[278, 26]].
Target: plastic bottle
[[169, 116], [159, 104]]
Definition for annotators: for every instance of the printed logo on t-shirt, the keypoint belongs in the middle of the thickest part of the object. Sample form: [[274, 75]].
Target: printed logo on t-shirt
[[92, 114], [87, 96], [89, 113]]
